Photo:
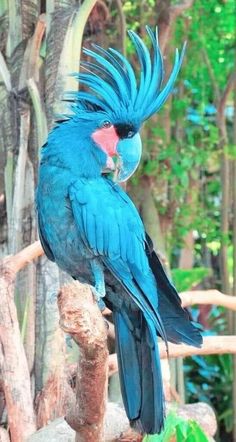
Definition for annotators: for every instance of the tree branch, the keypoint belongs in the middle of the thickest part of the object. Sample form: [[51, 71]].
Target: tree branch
[[225, 94], [15, 263], [82, 319], [122, 25], [211, 74], [225, 181], [211, 345], [166, 19], [208, 297], [13, 364], [178, 9]]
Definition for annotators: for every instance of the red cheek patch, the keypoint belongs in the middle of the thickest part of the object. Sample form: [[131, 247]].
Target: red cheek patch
[[107, 139]]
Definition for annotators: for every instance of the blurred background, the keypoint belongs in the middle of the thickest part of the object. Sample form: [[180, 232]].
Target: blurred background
[[185, 188]]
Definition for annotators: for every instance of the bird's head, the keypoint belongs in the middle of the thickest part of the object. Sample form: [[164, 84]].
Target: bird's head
[[114, 104], [122, 145]]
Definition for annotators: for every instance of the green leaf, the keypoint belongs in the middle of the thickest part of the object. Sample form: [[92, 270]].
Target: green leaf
[[184, 430], [185, 279]]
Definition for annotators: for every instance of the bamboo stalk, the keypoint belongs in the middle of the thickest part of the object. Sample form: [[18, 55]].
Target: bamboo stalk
[[40, 115], [8, 180], [4, 73], [15, 228], [15, 26]]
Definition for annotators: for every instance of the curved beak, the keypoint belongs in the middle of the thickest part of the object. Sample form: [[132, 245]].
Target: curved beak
[[129, 152]]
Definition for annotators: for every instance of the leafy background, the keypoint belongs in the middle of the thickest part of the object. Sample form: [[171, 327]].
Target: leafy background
[[185, 187]]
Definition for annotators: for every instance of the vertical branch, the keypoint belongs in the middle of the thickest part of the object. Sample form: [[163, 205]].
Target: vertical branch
[[166, 22], [225, 183], [81, 318], [234, 257], [16, 228], [221, 100], [167, 17], [50, 340], [122, 26], [13, 363]]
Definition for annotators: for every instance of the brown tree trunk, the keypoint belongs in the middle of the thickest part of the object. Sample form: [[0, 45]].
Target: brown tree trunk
[[234, 257], [225, 171]]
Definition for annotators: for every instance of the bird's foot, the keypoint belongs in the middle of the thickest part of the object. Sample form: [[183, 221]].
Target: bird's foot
[[98, 295]]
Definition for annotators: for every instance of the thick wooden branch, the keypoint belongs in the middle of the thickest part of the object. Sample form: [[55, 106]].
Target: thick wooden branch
[[13, 364], [82, 319]]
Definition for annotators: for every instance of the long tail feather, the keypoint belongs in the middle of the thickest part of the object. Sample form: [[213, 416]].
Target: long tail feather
[[140, 371]]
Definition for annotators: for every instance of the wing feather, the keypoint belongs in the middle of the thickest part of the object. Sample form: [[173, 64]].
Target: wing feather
[[121, 241], [109, 226]]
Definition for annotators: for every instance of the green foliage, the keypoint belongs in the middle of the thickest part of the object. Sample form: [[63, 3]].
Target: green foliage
[[183, 430], [185, 279], [215, 41], [188, 158], [209, 380]]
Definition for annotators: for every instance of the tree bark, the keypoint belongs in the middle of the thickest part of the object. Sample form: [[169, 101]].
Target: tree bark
[[82, 319], [55, 398], [50, 340], [167, 17], [122, 18], [234, 255], [13, 363], [225, 185]]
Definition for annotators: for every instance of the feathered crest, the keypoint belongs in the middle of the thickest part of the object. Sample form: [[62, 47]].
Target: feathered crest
[[112, 86]]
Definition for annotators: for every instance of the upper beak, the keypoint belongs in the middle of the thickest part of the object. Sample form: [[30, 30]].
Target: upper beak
[[129, 152]]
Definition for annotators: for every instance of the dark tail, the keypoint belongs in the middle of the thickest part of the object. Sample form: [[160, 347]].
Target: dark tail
[[176, 320], [140, 371]]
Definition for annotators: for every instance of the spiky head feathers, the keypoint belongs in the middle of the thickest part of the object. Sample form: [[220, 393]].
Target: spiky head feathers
[[112, 87]]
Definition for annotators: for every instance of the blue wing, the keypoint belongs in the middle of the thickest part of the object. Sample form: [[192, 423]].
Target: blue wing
[[111, 228]]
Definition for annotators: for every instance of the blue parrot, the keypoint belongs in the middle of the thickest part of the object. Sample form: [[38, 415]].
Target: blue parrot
[[90, 227]]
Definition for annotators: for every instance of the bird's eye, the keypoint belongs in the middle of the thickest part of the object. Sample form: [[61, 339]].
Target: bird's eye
[[130, 134], [106, 124]]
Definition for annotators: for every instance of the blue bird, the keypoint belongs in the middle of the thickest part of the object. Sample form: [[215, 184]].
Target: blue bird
[[89, 226]]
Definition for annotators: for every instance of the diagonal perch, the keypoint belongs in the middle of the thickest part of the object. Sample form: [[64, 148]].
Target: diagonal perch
[[82, 319]]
